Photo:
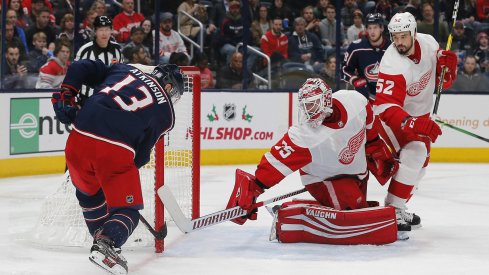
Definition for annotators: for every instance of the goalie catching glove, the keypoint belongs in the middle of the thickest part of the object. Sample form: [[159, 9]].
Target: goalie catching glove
[[246, 190], [65, 105], [380, 161]]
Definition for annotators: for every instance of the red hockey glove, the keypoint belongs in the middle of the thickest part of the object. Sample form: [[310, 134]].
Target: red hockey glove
[[380, 161], [64, 104], [246, 190], [449, 60], [421, 126]]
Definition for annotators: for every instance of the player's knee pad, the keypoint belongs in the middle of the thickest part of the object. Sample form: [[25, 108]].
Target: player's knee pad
[[313, 223], [121, 224], [411, 160], [94, 209], [343, 193]]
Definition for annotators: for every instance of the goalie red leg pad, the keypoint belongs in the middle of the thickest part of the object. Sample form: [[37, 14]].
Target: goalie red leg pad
[[341, 194], [312, 223]]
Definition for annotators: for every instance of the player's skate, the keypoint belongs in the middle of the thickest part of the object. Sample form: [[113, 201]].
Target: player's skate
[[402, 226], [104, 255], [411, 218]]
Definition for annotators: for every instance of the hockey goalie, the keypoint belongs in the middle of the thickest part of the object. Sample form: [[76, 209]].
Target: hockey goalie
[[334, 146]]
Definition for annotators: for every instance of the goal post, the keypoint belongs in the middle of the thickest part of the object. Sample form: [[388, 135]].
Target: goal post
[[174, 161]]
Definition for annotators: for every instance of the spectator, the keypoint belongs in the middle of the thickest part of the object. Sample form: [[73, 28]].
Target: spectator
[[427, 24], [470, 79], [481, 52], [384, 7], [413, 8], [482, 8], [12, 38], [42, 25], [356, 28], [179, 59], [347, 12], [260, 25], [201, 61], [320, 9], [304, 47], [231, 30], [67, 28], [328, 31], [137, 37], [461, 41], [15, 71], [147, 26], [40, 54], [170, 40], [328, 72], [217, 15], [312, 23], [33, 7], [18, 31], [87, 32], [99, 7], [231, 76], [187, 26], [61, 8], [23, 20], [52, 74], [274, 40], [136, 55], [281, 10], [125, 20]]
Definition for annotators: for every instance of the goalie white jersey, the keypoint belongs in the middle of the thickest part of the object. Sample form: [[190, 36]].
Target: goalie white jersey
[[408, 82], [337, 147]]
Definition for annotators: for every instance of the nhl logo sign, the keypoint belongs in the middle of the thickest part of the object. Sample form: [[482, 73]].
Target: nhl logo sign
[[130, 199], [229, 111]]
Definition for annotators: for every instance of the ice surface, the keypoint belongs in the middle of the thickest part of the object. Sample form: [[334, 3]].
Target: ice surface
[[453, 202]]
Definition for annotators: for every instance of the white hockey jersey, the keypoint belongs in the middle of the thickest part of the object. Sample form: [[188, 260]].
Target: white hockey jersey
[[337, 147], [408, 82]]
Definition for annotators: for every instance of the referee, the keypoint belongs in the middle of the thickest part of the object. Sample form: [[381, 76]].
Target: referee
[[101, 47]]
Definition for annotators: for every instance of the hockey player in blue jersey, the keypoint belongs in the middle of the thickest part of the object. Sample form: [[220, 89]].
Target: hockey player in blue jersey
[[113, 134], [362, 58]]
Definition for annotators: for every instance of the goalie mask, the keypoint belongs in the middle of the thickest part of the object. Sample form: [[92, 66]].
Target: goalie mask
[[315, 102], [170, 79]]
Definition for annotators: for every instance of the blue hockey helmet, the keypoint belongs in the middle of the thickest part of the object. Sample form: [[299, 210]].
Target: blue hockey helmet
[[170, 79], [374, 18]]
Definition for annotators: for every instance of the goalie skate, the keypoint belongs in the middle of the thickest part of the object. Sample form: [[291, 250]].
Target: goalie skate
[[105, 256], [411, 218]]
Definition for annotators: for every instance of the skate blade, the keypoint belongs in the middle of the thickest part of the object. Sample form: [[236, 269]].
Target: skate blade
[[402, 236], [417, 226], [116, 269]]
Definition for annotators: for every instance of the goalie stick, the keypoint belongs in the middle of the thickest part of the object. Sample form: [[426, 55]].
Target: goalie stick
[[187, 225]]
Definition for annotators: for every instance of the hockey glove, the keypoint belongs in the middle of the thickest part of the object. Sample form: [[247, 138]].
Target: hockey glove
[[64, 105], [361, 85], [449, 60], [380, 161], [246, 191], [421, 126]]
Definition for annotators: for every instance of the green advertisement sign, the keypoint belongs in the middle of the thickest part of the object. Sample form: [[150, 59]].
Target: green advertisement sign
[[24, 128], [34, 127]]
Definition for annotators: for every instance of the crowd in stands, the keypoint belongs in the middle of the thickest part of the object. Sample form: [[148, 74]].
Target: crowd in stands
[[298, 36]]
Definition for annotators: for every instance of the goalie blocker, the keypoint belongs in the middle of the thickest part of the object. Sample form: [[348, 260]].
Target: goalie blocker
[[310, 222]]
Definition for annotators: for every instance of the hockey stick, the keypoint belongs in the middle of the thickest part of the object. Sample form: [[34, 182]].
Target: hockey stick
[[187, 225], [462, 130], [444, 70], [159, 235]]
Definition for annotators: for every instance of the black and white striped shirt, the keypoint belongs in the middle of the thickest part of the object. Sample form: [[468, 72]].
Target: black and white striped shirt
[[108, 55]]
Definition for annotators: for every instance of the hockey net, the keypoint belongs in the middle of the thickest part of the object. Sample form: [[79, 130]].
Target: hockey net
[[175, 161]]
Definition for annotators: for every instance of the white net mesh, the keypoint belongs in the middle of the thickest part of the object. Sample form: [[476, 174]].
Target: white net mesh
[[61, 222]]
